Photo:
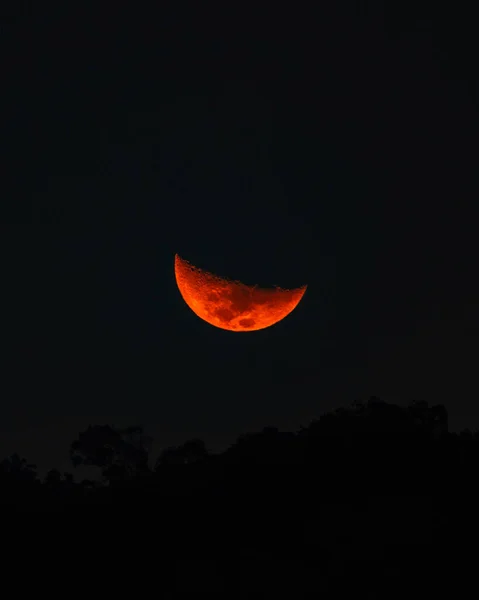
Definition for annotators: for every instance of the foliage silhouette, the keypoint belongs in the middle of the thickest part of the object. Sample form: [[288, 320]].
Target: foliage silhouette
[[120, 454], [191, 451], [323, 499], [18, 469]]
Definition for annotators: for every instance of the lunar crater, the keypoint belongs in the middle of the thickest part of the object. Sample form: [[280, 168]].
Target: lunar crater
[[232, 305]]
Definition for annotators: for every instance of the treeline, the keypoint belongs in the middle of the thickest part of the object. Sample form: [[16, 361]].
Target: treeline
[[373, 446], [370, 498]]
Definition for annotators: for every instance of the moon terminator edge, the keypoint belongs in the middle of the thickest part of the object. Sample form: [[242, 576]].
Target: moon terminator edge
[[233, 305]]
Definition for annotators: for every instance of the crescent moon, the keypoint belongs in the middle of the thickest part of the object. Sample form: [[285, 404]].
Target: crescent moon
[[232, 305]]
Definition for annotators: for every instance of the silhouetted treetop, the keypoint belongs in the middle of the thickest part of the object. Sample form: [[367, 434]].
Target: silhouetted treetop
[[191, 451], [18, 468], [358, 449], [113, 451]]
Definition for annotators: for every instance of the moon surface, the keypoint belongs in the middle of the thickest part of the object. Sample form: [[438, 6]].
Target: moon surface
[[232, 305]]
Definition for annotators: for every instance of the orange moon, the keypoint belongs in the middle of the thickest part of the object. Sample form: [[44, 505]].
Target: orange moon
[[232, 305]]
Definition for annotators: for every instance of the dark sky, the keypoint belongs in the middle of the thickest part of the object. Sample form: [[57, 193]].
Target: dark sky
[[337, 149]]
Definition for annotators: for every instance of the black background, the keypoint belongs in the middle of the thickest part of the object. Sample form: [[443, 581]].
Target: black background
[[335, 148]]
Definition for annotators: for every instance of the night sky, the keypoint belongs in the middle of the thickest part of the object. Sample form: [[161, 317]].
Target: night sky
[[336, 149]]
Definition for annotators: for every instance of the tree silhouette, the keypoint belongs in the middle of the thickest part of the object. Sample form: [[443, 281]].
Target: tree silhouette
[[18, 481], [192, 451], [106, 448], [18, 469], [53, 478]]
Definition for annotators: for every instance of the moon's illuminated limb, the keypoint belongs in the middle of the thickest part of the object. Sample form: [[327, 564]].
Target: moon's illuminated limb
[[232, 305]]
